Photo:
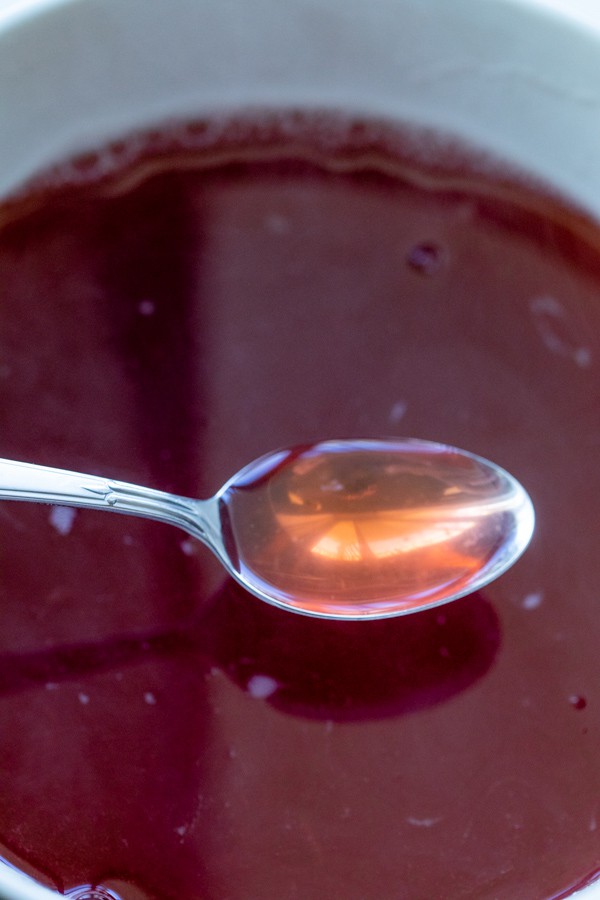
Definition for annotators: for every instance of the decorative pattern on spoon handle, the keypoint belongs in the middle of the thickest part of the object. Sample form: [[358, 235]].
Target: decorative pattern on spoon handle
[[43, 484]]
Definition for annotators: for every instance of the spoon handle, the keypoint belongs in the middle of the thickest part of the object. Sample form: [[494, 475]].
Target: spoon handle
[[42, 484]]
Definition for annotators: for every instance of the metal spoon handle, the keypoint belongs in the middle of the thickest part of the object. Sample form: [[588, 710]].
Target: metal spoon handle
[[42, 484]]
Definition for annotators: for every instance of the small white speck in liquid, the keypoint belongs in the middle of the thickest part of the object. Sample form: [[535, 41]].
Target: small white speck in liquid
[[62, 518], [533, 600], [261, 686], [397, 412], [146, 308]]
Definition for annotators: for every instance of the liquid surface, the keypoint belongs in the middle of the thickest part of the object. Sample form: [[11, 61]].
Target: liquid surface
[[163, 733], [373, 528]]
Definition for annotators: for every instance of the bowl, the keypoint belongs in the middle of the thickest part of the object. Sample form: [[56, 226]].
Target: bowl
[[510, 86]]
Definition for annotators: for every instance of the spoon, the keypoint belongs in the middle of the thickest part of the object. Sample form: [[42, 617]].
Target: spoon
[[346, 529]]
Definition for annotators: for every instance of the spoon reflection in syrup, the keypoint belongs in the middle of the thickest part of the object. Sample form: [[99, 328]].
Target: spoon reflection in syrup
[[345, 529]]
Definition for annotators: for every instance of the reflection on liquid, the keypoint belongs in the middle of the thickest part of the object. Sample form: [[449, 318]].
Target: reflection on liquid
[[373, 503], [376, 537]]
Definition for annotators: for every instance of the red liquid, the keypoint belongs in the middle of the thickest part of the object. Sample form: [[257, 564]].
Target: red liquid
[[165, 734]]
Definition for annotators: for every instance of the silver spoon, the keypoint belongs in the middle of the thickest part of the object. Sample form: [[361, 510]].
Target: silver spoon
[[348, 529]]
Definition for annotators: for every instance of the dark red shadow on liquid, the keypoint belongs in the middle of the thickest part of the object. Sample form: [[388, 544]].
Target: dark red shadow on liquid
[[349, 671], [315, 668]]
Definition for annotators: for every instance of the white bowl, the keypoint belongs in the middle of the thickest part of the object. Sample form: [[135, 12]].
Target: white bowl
[[518, 79]]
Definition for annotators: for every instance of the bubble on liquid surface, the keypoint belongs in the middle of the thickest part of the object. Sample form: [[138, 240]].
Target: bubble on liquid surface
[[426, 258], [366, 529]]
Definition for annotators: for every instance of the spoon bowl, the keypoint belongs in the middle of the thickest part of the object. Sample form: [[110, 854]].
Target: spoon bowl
[[346, 529]]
